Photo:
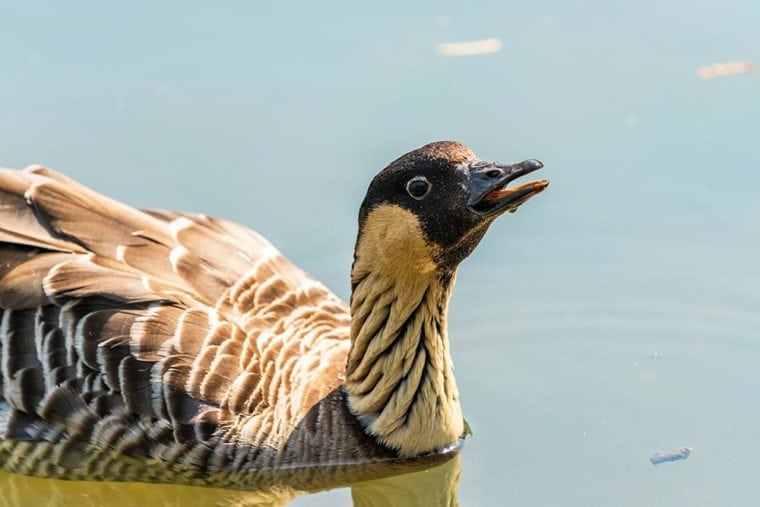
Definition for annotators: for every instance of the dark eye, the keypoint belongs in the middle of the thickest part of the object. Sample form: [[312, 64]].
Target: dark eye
[[418, 187]]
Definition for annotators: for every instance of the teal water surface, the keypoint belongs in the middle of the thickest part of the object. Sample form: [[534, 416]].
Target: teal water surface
[[615, 316]]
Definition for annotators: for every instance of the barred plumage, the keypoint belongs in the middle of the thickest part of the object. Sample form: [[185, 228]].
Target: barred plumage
[[170, 337]]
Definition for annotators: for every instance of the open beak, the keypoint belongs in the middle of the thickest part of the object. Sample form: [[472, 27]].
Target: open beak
[[488, 182]]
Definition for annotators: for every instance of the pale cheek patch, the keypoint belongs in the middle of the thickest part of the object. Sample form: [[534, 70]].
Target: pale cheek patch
[[392, 237]]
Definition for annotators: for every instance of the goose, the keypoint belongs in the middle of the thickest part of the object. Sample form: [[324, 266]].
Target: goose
[[161, 346]]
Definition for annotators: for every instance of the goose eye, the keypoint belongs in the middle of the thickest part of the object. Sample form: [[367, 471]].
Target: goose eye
[[418, 187]]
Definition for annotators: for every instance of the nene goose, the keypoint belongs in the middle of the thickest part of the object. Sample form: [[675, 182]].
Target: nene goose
[[166, 346]]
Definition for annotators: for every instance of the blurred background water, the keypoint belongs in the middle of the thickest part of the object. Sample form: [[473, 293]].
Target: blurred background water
[[613, 317]]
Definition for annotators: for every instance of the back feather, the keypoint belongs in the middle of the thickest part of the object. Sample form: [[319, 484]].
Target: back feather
[[170, 336]]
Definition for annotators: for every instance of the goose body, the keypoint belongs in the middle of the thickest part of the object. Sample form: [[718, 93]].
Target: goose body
[[166, 346]]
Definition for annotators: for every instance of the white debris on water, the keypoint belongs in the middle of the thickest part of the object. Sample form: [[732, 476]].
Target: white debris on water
[[726, 69], [470, 48]]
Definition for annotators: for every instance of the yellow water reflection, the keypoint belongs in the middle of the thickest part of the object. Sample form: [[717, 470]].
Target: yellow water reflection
[[433, 487], [438, 486]]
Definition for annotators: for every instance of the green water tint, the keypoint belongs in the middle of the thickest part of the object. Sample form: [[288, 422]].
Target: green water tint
[[427, 486]]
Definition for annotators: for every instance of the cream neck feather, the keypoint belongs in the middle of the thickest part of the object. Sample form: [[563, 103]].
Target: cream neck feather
[[399, 375]]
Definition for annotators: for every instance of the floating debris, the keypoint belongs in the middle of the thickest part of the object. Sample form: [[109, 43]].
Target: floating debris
[[470, 48], [726, 69], [662, 457]]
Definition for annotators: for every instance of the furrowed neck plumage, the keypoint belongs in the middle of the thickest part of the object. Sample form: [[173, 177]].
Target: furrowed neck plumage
[[399, 375]]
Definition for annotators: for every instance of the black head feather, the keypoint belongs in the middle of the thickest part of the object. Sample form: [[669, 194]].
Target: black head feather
[[443, 213]]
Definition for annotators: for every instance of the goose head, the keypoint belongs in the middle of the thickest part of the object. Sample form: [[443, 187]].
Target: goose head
[[430, 208]]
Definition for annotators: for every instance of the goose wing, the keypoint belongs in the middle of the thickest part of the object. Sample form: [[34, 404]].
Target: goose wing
[[150, 333]]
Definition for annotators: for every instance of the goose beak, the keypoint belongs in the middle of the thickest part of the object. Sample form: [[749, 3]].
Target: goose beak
[[489, 195]]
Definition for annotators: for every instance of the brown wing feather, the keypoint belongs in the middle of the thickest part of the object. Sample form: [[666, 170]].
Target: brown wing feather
[[153, 333]]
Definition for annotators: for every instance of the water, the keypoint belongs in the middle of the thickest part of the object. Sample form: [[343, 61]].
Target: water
[[613, 317]]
